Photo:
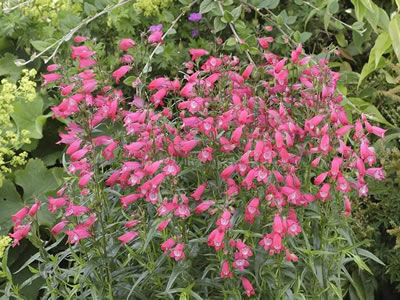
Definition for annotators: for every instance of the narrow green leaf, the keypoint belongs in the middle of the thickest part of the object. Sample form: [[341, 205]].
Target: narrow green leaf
[[369, 255], [382, 44], [394, 31]]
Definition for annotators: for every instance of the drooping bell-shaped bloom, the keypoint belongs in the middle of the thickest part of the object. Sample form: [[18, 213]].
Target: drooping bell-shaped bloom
[[178, 252], [126, 44], [19, 234], [196, 53], [252, 210], [35, 207], [120, 72], [226, 270], [127, 237], [168, 244], [247, 287], [199, 191], [59, 226], [20, 215]]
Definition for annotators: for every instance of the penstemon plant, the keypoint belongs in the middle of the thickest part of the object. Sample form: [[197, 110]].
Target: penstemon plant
[[235, 180]]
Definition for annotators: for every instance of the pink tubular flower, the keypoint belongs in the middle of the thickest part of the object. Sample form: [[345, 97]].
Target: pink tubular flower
[[168, 244], [163, 225], [155, 37], [205, 154], [226, 270], [84, 180], [19, 234], [252, 210], [58, 227], [347, 206], [196, 53], [199, 191], [126, 44], [34, 208], [291, 256], [117, 74], [79, 39], [127, 237], [177, 253], [50, 78], [204, 206], [51, 68], [127, 59], [20, 215], [78, 233], [76, 210], [247, 287], [56, 203]]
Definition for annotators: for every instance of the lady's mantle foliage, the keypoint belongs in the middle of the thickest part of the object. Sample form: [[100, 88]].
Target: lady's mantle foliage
[[251, 132]]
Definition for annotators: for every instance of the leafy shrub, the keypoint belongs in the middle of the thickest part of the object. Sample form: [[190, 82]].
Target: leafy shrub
[[235, 158]]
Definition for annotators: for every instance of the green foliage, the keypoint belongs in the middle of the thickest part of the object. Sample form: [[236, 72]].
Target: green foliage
[[378, 217]]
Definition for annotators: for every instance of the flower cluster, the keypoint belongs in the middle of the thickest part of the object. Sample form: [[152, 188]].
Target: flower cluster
[[25, 214], [249, 132]]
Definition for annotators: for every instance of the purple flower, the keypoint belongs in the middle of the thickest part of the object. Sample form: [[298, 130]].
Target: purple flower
[[154, 28], [195, 33], [195, 17]]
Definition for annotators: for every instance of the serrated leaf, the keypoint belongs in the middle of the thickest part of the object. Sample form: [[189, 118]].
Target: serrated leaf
[[11, 202], [36, 180], [8, 67], [28, 116], [394, 31]]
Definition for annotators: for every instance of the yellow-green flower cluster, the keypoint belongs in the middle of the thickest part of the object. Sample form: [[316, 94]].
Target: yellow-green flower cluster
[[48, 10], [10, 138], [4, 242], [151, 7]]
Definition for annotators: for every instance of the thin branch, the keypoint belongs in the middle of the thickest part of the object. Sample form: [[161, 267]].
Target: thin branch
[[234, 32], [10, 9], [277, 26], [336, 19], [147, 65], [66, 37]]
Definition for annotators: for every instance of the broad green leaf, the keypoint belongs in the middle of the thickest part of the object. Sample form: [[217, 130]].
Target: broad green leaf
[[28, 116], [36, 180], [382, 44], [206, 6], [359, 9], [304, 36], [270, 4], [231, 41], [368, 109], [8, 68], [236, 12], [41, 45], [129, 80], [394, 31], [228, 17], [367, 4], [11, 202], [218, 24]]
